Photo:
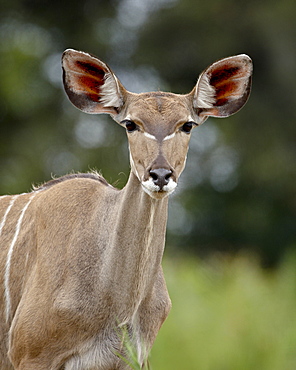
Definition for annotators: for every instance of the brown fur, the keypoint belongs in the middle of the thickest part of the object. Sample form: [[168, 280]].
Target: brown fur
[[91, 175], [80, 260]]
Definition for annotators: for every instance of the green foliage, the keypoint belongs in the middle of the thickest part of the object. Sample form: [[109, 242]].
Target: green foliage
[[228, 314], [238, 190]]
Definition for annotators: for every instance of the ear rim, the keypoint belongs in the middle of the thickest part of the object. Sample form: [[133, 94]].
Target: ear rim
[[204, 95], [80, 100]]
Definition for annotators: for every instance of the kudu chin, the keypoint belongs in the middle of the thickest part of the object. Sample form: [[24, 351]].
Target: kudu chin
[[81, 260]]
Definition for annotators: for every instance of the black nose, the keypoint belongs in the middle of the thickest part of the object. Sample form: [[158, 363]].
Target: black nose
[[160, 176]]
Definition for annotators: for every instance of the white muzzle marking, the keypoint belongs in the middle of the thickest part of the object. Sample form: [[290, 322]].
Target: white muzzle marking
[[154, 190]]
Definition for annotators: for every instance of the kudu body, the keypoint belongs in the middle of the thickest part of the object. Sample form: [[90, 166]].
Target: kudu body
[[80, 259]]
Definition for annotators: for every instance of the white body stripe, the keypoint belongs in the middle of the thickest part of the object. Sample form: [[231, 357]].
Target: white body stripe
[[6, 213], [9, 255]]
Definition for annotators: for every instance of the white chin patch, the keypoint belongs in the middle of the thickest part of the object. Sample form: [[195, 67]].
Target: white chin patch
[[154, 191]]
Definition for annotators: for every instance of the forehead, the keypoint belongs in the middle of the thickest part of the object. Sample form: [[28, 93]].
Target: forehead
[[158, 111]]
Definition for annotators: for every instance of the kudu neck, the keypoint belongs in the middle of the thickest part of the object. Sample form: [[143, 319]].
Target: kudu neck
[[137, 245]]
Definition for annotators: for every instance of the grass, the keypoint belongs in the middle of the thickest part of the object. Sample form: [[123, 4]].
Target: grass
[[130, 356], [228, 314]]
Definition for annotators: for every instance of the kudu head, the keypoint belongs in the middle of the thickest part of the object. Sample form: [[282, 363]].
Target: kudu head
[[158, 124]]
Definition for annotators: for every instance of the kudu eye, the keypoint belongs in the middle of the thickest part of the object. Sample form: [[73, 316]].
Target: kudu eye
[[187, 127], [130, 125]]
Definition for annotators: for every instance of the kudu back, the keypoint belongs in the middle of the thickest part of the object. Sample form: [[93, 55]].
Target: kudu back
[[80, 260]]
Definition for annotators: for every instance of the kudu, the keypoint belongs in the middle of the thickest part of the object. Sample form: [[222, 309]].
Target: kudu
[[81, 259]]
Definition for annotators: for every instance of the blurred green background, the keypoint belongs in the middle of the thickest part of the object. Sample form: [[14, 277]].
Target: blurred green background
[[237, 194]]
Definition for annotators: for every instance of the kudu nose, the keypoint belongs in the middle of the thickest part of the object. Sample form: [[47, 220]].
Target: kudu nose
[[161, 176]]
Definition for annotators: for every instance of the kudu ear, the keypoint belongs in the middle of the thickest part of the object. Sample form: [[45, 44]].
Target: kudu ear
[[224, 87], [90, 84]]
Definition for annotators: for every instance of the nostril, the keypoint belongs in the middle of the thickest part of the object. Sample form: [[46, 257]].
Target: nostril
[[167, 177], [161, 176], [154, 175]]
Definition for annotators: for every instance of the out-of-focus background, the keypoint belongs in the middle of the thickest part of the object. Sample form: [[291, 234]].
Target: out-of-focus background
[[231, 239]]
